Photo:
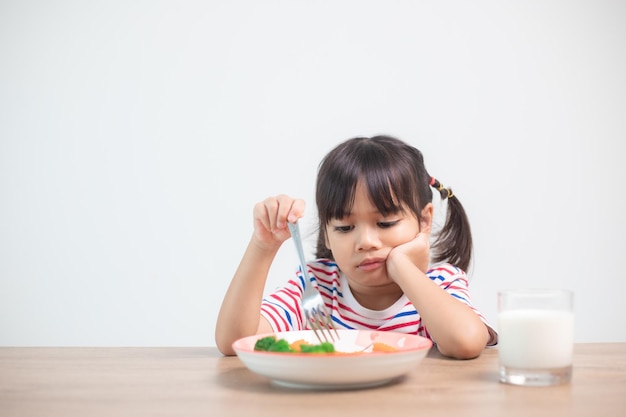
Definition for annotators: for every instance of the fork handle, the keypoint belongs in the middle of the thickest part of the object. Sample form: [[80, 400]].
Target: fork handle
[[294, 229]]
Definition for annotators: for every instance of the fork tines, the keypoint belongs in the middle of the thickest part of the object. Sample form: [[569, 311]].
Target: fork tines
[[322, 325]]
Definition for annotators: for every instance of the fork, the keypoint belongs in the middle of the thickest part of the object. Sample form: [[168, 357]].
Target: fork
[[315, 311]]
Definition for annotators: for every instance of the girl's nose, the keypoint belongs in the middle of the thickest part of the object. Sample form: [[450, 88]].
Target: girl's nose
[[367, 239]]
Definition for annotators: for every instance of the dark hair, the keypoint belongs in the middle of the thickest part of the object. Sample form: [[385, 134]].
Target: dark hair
[[394, 174]]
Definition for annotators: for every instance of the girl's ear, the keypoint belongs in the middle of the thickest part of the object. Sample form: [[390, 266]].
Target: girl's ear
[[426, 221]]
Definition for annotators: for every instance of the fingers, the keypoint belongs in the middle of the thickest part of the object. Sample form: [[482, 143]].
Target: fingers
[[274, 212], [417, 250]]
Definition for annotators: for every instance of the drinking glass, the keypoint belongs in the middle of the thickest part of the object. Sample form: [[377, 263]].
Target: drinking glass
[[536, 336]]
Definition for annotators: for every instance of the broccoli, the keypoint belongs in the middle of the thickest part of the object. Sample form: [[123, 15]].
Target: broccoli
[[281, 345], [271, 344], [264, 343], [324, 347]]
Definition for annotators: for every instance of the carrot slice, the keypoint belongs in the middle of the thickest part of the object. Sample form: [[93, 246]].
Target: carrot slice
[[296, 345], [382, 347]]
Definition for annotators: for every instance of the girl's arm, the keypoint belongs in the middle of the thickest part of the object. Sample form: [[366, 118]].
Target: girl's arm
[[457, 329], [240, 313]]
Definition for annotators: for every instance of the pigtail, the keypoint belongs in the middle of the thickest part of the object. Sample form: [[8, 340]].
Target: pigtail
[[454, 242]]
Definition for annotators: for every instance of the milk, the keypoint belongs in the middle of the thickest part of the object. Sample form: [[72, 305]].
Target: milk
[[536, 338]]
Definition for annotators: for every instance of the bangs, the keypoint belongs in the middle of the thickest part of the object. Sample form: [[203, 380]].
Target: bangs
[[341, 198], [383, 181], [382, 192]]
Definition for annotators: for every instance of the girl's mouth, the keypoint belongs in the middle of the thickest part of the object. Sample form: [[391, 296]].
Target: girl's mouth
[[371, 264]]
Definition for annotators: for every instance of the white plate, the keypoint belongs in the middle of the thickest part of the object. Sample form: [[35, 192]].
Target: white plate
[[351, 369]]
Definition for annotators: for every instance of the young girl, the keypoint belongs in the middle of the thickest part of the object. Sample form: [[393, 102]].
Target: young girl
[[373, 266]]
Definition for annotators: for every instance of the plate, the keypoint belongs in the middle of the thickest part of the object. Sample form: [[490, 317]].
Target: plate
[[354, 368]]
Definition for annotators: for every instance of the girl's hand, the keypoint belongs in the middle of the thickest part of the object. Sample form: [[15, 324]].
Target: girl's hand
[[271, 217], [416, 250]]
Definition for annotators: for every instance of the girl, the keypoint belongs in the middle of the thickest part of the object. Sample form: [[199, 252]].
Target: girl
[[374, 200]]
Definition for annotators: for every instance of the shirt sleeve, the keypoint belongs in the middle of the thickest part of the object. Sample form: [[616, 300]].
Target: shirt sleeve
[[282, 307], [454, 281]]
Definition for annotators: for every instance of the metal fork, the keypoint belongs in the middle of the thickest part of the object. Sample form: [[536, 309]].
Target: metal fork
[[315, 311]]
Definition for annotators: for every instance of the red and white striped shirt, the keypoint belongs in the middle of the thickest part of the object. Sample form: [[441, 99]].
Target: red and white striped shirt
[[283, 309]]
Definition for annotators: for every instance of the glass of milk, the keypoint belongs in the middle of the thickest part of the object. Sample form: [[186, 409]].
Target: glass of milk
[[536, 336]]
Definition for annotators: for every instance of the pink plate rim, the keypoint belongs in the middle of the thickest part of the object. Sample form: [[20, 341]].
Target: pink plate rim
[[246, 344]]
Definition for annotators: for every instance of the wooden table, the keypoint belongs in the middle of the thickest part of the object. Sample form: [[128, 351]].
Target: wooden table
[[91, 382]]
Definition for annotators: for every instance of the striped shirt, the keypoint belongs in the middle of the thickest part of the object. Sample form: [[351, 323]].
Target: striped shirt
[[283, 309]]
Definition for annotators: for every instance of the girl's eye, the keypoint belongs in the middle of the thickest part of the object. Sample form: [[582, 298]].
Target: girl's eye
[[385, 225], [343, 229]]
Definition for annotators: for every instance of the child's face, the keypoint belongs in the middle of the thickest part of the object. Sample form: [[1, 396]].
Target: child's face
[[361, 241]]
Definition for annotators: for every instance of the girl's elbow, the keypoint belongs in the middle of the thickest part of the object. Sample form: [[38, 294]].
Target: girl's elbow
[[225, 350], [465, 347], [224, 345], [460, 352], [473, 351]]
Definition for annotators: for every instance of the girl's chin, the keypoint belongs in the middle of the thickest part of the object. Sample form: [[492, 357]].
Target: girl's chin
[[372, 281]]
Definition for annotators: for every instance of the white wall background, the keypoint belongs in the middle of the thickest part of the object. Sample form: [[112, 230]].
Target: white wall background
[[136, 136]]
